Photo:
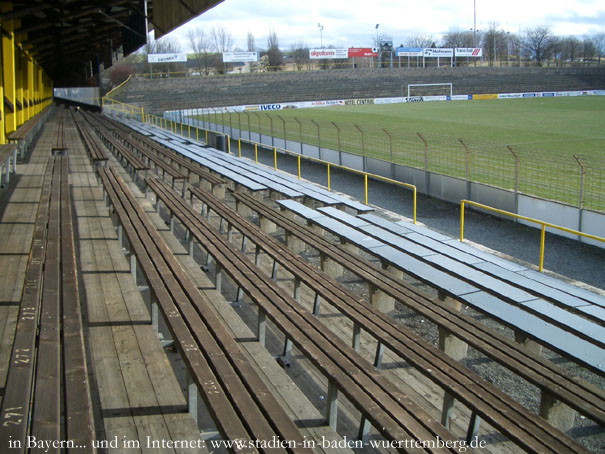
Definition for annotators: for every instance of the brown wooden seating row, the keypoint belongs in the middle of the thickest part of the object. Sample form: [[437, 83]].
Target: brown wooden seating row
[[24, 135], [47, 395], [555, 384], [150, 157], [144, 143], [8, 162], [123, 153], [524, 428], [92, 143], [381, 404], [240, 403], [59, 143]]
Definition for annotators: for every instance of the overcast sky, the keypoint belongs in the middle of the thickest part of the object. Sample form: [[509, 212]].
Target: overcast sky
[[352, 23]]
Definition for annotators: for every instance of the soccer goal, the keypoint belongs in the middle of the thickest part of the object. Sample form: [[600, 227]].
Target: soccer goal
[[444, 89]]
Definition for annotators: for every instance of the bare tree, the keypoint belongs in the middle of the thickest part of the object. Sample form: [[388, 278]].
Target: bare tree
[[223, 42], [589, 49], [276, 59], [163, 46], [495, 43], [202, 48], [250, 42], [538, 43], [300, 52], [222, 39], [599, 40], [458, 39], [420, 41]]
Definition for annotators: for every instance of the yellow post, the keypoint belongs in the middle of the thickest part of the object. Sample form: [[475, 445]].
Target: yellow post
[[239, 148], [329, 189], [197, 134], [30, 88], [189, 131], [256, 153], [228, 144], [8, 68], [2, 135], [365, 184], [142, 115], [414, 204], [275, 158], [206, 131], [299, 167], [462, 221], [19, 79], [542, 237]]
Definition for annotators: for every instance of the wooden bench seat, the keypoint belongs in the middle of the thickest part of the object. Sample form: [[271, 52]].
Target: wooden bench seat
[[24, 135], [132, 162], [47, 394], [239, 402], [92, 144], [552, 380], [380, 402]]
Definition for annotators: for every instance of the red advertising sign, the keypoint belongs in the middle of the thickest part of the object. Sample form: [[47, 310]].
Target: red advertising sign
[[362, 52]]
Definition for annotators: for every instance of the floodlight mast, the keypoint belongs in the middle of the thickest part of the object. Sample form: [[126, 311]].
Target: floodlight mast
[[321, 39], [378, 47]]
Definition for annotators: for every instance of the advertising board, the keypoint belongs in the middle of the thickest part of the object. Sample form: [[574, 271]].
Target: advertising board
[[409, 52], [362, 52], [469, 52], [166, 58], [323, 54], [439, 52], [240, 57]]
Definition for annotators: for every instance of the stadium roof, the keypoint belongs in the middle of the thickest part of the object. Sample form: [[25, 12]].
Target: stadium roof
[[68, 37]]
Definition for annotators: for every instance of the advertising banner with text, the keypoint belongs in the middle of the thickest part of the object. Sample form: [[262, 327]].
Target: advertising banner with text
[[439, 52], [362, 52], [240, 57], [326, 54], [166, 58], [469, 52], [409, 51]]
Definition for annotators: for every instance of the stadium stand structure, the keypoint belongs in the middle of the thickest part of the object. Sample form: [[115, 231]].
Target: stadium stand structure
[[158, 95]]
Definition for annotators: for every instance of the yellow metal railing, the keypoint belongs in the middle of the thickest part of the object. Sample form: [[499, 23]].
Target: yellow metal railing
[[525, 218]]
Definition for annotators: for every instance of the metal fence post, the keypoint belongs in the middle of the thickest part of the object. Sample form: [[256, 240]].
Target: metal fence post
[[271, 123], [427, 178], [468, 168], [516, 178], [390, 152], [300, 133], [339, 146], [363, 147], [581, 201], [318, 139]]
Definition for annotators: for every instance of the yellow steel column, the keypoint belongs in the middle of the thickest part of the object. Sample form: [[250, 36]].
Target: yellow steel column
[[31, 90], [8, 68], [2, 135], [19, 86]]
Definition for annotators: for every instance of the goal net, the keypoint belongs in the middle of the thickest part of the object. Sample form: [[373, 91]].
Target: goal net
[[443, 89]]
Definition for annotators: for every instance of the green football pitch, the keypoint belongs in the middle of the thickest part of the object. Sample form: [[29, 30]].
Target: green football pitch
[[552, 148]]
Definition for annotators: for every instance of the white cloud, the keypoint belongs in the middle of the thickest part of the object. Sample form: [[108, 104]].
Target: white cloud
[[352, 23]]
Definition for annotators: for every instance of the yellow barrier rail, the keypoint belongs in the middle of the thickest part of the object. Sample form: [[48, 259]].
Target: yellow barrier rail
[[525, 218], [329, 165]]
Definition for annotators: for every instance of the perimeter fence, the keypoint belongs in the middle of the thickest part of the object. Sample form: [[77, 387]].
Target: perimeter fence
[[574, 179]]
